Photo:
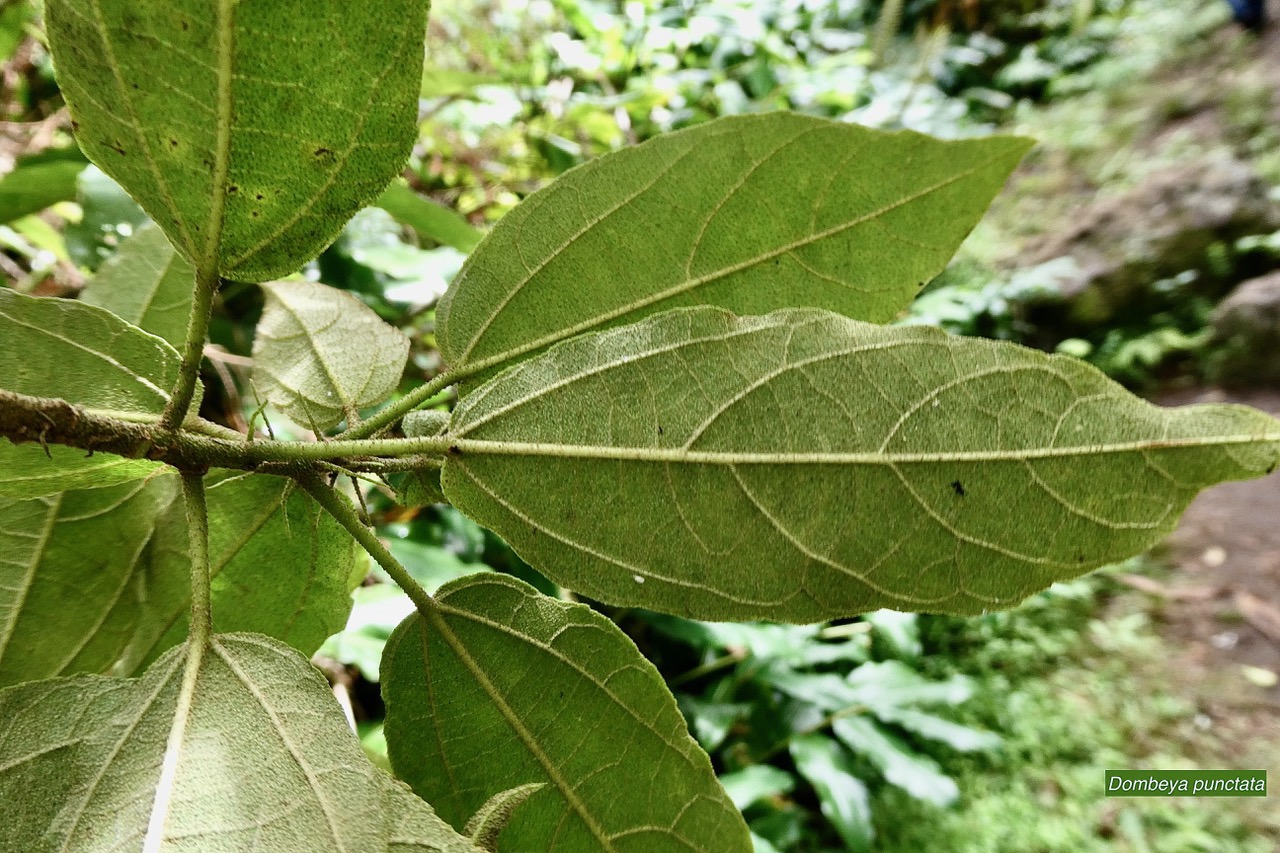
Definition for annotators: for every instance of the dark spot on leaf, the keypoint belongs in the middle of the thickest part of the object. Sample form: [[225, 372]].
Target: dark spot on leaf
[[455, 450], [921, 284], [1271, 468], [260, 196], [958, 488], [1079, 558], [323, 152], [255, 213], [173, 143], [208, 164], [119, 149], [75, 125], [659, 429], [233, 189], [185, 26]]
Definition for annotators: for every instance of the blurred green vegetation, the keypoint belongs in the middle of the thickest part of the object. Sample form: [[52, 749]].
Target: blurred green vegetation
[[890, 732]]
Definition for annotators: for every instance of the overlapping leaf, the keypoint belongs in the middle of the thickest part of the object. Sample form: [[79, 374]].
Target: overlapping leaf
[[146, 283], [802, 466], [253, 753], [32, 471], [320, 355], [83, 354], [280, 565], [500, 686], [750, 213], [268, 128]]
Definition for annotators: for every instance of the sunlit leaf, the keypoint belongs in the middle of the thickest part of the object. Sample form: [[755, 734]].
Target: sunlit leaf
[[430, 219], [146, 283], [842, 796], [749, 213], [901, 765], [321, 355], [250, 754], [39, 180], [250, 131], [802, 466], [499, 686]]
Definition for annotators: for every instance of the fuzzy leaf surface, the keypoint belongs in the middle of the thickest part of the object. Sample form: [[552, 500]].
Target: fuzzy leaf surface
[[146, 283], [320, 354], [803, 466], [83, 354], [749, 213], [270, 126], [27, 472], [261, 758], [500, 686]]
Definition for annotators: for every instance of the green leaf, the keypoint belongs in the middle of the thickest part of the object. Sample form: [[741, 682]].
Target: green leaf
[[500, 686], [26, 471], [251, 752], [321, 355], [486, 825], [84, 355], [281, 566], [92, 543], [375, 613], [842, 795], [146, 283], [757, 782], [902, 766], [109, 216], [749, 213], [268, 129], [431, 220], [803, 466], [38, 181]]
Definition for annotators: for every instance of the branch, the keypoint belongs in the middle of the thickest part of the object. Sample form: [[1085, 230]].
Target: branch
[[344, 512], [199, 446]]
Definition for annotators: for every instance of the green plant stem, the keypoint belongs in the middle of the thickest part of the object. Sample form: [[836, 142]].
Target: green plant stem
[[175, 413], [397, 410], [345, 513], [198, 534]]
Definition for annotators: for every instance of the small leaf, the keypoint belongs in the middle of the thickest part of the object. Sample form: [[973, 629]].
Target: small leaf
[[84, 355], [251, 156], [146, 283], [803, 466], [320, 354], [757, 782], [749, 213], [38, 181], [487, 824], [431, 220], [251, 753], [842, 796], [500, 686]]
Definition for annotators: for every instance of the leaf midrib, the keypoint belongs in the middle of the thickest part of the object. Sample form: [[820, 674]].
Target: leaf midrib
[[462, 447]]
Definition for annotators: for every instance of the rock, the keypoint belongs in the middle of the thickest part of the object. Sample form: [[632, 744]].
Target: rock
[[1124, 245], [1246, 333]]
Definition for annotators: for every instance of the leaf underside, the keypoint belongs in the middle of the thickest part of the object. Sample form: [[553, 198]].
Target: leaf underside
[[803, 466], [262, 760], [500, 686], [146, 283], [749, 213], [270, 126], [321, 355]]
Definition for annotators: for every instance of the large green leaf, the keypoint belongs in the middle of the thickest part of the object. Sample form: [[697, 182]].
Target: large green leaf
[[83, 354], [252, 753], [281, 566], [146, 283], [750, 213], [269, 127], [499, 686], [321, 355], [32, 471], [74, 583], [802, 466]]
